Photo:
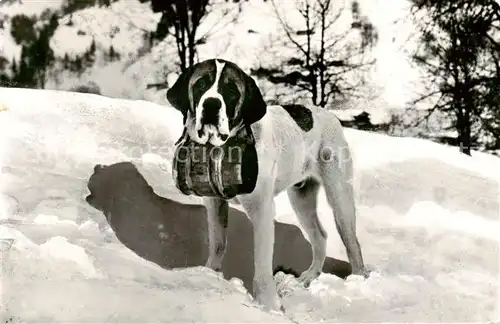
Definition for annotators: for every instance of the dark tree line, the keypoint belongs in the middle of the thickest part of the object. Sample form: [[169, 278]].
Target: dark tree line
[[74, 5], [36, 54], [460, 52], [37, 58]]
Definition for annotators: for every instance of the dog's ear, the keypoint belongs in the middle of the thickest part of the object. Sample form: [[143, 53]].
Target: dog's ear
[[254, 107], [178, 94]]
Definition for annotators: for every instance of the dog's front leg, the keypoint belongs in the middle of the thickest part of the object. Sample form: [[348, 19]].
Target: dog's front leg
[[261, 212], [217, 215]]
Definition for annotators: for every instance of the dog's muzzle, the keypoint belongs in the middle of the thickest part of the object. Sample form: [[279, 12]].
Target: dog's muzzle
[[216, 171], [211, 108], [211, 123]]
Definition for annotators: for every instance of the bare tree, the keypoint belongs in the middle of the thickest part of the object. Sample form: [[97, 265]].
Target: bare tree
[[185, 18], [328, 59]]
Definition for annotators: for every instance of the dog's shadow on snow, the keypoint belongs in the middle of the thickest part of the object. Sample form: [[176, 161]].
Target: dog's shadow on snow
[[174, 235]]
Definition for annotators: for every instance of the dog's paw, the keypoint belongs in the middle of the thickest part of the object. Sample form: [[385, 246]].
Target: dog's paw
[[308, 276], [267, 297], [213, 265], [270, 303], [364, 272]]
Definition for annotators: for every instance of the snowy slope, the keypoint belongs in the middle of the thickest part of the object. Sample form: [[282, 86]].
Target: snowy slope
[[428, 225], [55, 245], [250, 35]]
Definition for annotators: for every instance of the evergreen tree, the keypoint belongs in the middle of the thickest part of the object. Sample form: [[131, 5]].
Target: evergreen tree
[[111, 52], [3, 63], [89, 56], [461, 58], [113, 55], [66, 61], [36, 55], [23, 29], [78, 64], [26, 75], [14, 67], [92, 47], [43, 56], [5, 81], [54, 22]]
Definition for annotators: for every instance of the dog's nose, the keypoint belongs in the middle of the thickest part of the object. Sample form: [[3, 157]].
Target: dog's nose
[[211, 107]]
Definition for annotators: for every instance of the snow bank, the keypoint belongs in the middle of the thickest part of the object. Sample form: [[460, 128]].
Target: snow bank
[[436, 259], [60, 281]]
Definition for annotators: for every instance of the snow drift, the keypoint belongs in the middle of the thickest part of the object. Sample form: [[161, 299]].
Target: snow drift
[[428, 225]]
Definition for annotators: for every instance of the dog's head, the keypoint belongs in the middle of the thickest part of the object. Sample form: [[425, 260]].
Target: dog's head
[[118, 181], [216, 97]]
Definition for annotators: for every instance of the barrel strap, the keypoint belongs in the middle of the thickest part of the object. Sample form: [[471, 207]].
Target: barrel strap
[[250, 137], [184, 134]]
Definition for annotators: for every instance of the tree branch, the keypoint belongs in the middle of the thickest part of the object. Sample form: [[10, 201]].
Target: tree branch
[[287, 28]]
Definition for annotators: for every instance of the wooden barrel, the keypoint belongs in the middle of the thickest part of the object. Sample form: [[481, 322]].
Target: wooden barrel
[[216, 171]]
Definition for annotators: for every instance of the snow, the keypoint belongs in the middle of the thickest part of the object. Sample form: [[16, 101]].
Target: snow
[[59, 281], [428, 225], [122, 25], [374, 149], [62, 45]]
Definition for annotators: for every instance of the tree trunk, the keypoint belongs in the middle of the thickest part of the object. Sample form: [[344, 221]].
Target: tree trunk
[[321, 60], [192, 47], [465, 142], [182, 48], [464, 132], [313, 81], [469, 103]]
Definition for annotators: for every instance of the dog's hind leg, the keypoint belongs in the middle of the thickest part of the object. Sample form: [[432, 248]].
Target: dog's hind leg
[[304, 202], [217, 216], [337, 180]]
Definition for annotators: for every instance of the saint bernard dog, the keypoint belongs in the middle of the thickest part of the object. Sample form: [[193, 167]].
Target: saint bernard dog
[[299, 150]]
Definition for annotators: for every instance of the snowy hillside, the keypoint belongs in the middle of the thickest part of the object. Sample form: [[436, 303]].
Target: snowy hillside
[[234, 32], [428, 225]]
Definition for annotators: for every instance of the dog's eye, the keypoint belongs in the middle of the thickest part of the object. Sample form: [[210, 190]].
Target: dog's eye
[[203, 84], [231, 96], [232, 91], [200, 87]]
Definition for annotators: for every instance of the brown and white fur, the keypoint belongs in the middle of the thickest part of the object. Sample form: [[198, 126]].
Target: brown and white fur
[[296, 154]]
